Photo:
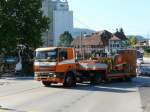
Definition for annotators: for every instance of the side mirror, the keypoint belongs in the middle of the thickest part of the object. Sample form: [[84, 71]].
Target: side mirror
[[48, 58], [62, 58]]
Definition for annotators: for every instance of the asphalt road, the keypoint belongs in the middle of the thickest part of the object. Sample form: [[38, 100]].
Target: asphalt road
[[144, 88], [32, 96], [143, 84]]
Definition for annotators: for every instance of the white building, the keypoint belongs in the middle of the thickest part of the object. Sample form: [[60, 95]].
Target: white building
[[115, 44], [61, 20], [148, 42]]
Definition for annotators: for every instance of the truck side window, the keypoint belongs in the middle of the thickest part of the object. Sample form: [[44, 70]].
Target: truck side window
[[63, 55]]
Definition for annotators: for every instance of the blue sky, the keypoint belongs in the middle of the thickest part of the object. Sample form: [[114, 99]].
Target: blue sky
[[132, 15]]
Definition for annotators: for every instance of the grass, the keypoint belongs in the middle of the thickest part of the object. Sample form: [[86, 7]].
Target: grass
[[146, 54]]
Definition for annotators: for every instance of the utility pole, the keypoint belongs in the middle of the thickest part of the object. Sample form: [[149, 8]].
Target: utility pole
[[82, 49], [81, 44]]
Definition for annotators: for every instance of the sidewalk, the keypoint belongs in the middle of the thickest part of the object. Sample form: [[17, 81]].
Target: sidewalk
[[146, 59], [4, 81], [16, 76]]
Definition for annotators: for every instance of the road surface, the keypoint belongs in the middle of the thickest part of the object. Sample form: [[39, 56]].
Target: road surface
[[32, 96]]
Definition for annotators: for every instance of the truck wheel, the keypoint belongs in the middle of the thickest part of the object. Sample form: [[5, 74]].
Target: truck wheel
[[46, 83], [69, 80], [92, 81], [79, 79]]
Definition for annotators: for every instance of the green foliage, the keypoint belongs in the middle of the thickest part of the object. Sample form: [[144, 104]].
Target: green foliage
[[21, 22], [105, 36], [146, 54], [65, 39], [27, 67], [147, 50], [120, 33], [132, 40]]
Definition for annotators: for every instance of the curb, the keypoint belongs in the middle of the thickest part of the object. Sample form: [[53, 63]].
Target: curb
[[18, 78]]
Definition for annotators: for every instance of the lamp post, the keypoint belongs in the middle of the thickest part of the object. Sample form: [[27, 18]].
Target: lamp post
[[81, 44], [47, 38], [21, 48], [82, 49]]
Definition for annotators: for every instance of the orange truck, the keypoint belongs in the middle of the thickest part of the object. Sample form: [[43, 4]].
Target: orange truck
[[59, 65]]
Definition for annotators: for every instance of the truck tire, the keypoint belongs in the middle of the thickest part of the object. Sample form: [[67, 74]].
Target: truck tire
[[46, 83], [92, 80], [79, 80], [70, 80]]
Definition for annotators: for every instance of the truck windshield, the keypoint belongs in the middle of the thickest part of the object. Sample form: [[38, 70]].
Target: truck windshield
[[46, 56]]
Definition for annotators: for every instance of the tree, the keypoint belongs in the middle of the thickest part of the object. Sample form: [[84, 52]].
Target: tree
[[122, 31], [105, 36], [21, 22], [132, 40], [120, 34], [65, 39]]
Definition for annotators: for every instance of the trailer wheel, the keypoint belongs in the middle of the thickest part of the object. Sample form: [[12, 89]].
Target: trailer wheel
[[70, 80], [96, 79], [92, 80], [46, 83], [128, 79]]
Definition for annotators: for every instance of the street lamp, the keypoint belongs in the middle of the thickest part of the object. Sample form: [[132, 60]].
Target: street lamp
[[20, 47], [83, 34], [47, 38]]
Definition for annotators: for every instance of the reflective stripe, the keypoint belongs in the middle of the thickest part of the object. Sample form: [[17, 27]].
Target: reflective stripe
[[72, 61], [45, 64]]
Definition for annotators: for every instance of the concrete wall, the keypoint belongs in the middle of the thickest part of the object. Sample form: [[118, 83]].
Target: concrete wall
[[62, 21]]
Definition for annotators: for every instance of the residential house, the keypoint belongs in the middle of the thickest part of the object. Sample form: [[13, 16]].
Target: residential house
[[100, 41], [143, 44], [115, 43], [95, 42]]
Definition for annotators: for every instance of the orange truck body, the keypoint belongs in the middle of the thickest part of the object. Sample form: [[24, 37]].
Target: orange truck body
[[58, 65]]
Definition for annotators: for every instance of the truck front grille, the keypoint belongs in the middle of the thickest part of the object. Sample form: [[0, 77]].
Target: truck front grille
[[46, 74]]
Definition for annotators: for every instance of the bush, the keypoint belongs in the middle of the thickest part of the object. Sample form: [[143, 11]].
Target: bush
[[147, 50]]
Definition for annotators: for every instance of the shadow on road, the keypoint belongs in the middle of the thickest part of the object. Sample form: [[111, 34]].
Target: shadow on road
[[117, 87]]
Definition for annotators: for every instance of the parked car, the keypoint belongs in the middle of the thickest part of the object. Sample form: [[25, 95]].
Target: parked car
[[139, 61], [144, 69]]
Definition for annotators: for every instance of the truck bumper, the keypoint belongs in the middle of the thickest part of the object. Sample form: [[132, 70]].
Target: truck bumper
[[50, 79], [53, 78]]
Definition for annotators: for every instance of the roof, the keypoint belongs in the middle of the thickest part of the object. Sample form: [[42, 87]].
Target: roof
[[115, 38], [90, 40], [93, 39]]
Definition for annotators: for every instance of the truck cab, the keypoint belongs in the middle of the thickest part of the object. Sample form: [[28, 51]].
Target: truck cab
[[55, 65]]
